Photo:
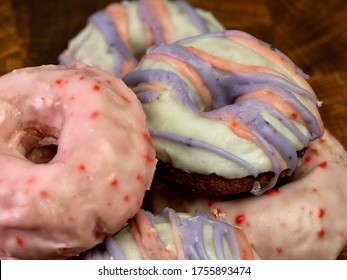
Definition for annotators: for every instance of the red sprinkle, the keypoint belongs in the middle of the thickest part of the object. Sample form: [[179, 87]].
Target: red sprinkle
[[139, 178], [44, 194], [95, 114], [307, 159], [148, 157], [239, 219], [114, 183], [272, 192], [96, 88], [82, 167], [323, 164], [321, 233], [147, 138], [234, 125], [321, 213], [245, 255], [19, 241], [294, 116]]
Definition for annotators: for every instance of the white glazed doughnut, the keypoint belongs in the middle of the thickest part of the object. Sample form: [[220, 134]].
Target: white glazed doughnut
[[117, 36], [225, 106], [303, 219], [179, 236], [59, 202]]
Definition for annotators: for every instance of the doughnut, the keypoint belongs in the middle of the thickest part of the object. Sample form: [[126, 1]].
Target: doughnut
[[75, 160], [179, 236], [228, 113], [117, 36], [303, 218]]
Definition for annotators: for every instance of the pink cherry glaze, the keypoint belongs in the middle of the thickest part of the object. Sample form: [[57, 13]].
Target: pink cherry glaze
[[90, 188]]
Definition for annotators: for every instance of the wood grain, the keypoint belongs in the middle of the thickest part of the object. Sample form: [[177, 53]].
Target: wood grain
[[312, 33]]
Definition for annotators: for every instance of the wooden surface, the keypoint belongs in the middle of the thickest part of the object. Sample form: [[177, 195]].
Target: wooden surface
[[312, 33]]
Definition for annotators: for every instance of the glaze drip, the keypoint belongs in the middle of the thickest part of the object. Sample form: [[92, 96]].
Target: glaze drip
[[119, 49]]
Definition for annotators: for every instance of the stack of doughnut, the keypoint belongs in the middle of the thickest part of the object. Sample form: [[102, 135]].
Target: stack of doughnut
[[163, 136], [117, 36], [170, 235]]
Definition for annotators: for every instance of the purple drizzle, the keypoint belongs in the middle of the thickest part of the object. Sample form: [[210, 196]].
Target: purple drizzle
[[96, 254], [113, 248], [192, 236], [183, 93], [149, 18], [63, 60], [191, 232], [194, 16], [119, 49], [249, 82], [203, 68], [147, 15]]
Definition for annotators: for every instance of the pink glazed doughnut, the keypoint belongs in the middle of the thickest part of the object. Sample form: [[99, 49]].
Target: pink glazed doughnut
[[303, 219], [75, 160]]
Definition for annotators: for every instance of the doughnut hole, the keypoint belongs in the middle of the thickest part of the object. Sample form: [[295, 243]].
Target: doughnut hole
[[38, 143]]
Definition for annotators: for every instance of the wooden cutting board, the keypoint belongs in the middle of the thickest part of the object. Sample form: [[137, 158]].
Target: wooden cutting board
[[312, 33]]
